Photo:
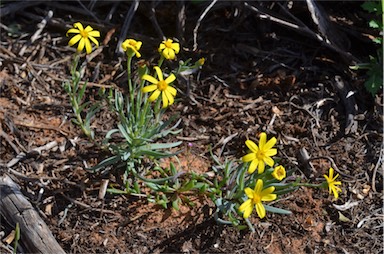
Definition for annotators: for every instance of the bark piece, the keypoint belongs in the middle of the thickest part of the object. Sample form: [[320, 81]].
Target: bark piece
[[15, 208], [349, 102]]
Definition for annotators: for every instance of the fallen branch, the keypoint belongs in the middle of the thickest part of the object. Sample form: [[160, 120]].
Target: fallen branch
[[300, 27], [15, 208]]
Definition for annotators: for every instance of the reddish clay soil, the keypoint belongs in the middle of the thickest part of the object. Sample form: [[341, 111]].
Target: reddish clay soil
[[259, 77]]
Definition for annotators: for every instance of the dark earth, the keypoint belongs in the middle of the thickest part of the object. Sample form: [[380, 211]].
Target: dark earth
[[259, 76]]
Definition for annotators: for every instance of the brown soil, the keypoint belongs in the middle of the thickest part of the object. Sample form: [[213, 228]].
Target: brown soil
[[258, 77]]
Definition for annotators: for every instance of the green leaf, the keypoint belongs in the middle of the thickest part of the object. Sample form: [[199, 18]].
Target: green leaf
[[374, 24], [116, 191], [105, 163], [125, 133], [375, 80], [371, 6], [82, 91], [157, 146], [157, 154], [109, 133], [188, 186], [285, 191], [91, 112], [17, 237], [153, 186], [175, 204], [276, 210]]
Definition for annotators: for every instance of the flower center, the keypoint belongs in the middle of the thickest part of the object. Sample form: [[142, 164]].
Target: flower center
[[84, 34], [260, 155], [256, 198], [168, 44], [162, 85]]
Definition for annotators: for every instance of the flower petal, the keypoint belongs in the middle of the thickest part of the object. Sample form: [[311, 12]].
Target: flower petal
[[270, 143], [73, 30], [268, 191], [164, 99], [138, 55], [331, 173], [154, 95], [170, 78], [270, 152], [74, 40], [94, 40], [149, 88], [259, 186], [269, 161], [337, 183], [249, 157], [169, 53], [159, 73], [150, 79], [335, 193], [263, 140], [252, 146], [266, 194], [260, 209], [246, 208], [88, 46], [161, 47], [138, 45], [88, 29], [81, 45], [269, 197], [79, 26], [169, 96], [261, 167], [249, 192], [176, 47], [94, 33], [172, 90], [253, 166]]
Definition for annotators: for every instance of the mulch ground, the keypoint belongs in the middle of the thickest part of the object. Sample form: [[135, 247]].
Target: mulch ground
[[259, 76]]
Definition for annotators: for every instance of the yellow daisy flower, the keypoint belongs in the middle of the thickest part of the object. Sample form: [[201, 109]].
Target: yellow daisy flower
[[160, 86], [331, 182], [260, 155], [83, 36], [169, 49], [201, 61], [279, 173], [254, 199], [132, 47]]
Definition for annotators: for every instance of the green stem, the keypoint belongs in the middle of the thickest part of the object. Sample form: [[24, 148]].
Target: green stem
[[144, 113], [307, 185], [129, 73], [161, 60]]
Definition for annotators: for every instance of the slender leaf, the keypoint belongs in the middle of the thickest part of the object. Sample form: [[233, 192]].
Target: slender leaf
[[276, 210]]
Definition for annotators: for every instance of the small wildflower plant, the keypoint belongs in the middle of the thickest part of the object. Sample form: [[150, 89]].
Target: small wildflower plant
[[239, 188], [254, 182]]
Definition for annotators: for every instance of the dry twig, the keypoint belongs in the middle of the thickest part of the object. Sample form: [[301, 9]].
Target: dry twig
[[199, 22]]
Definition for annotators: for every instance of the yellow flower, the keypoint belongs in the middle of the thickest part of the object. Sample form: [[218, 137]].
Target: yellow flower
[[201, 61], [132, 47], [279, 173], [83, 36], [331, 182], [254, 199], [160, 86], [260, 155], [169, 49]]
